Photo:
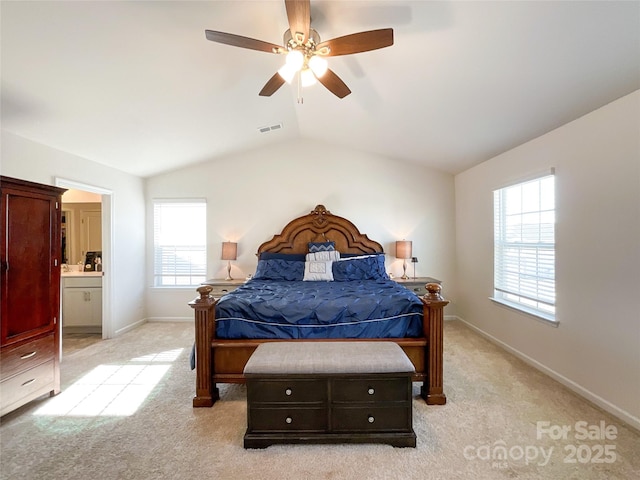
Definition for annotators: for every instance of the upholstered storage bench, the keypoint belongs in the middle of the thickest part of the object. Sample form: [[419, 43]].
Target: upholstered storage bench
[[329, 392]]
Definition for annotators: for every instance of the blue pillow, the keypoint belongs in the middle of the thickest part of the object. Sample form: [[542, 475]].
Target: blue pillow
[[360, 268], [292, 257], [279, 270], [321, 246], [350, 255]]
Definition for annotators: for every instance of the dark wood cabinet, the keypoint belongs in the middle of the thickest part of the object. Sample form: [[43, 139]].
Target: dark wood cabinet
[[30, 255]]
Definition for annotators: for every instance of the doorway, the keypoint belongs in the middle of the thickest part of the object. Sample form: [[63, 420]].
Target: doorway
[[86, 288]]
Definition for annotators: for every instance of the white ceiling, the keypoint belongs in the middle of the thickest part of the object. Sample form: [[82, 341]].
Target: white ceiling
[[136, 85]]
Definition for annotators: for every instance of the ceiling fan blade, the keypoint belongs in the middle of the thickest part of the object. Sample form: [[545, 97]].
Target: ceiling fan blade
[[272, 85], [244, 42], [334, 84], [357, 42], [299, 16]]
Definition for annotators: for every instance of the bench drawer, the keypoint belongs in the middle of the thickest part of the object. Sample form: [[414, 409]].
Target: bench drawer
[[287, 419], [286, 391], [378, 389], [373, 418]]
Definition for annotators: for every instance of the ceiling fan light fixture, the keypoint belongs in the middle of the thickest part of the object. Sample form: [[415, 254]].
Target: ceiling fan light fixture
[[307, 78], [295, 59], [318, 65], [287, 72], [305, 51]]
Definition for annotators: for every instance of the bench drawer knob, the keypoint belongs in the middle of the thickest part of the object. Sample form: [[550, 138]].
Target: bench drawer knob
[[371, 391], [288, 392], [371, 419], [288, 420]]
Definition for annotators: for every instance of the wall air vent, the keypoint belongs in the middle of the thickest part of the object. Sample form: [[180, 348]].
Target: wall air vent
[[277, 126]]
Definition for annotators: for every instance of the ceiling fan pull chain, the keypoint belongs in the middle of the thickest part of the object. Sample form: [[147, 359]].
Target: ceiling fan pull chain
[[300, 99]]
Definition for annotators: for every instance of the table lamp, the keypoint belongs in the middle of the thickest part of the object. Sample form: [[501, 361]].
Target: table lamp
[[229, 252], [403, 250]]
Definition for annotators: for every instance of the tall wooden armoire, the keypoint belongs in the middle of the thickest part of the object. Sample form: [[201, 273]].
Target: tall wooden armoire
[[30, 255]]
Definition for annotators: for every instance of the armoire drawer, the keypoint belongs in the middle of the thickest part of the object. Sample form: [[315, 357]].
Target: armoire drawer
[[26, 385], [16, 359]]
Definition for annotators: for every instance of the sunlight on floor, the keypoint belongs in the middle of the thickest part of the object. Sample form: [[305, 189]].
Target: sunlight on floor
[[112, 390]]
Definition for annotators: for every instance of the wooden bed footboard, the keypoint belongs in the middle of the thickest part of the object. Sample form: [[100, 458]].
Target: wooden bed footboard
[[223, 361]]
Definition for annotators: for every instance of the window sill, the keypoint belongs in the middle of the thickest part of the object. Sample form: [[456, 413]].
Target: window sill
[[544, 318]]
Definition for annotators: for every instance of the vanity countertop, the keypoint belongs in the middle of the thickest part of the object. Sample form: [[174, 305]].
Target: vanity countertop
[[81, 274]]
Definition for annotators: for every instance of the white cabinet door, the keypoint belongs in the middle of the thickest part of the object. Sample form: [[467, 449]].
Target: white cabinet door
[[82, 307]]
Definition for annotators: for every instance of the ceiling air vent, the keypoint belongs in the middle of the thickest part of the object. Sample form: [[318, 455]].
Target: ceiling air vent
[[271, 128]]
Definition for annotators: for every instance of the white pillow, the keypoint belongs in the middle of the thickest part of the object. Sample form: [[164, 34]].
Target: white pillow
[[328, 256], [318, 270]]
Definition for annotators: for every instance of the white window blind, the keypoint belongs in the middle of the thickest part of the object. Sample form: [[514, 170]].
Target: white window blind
[[524, 246], [179, 242]]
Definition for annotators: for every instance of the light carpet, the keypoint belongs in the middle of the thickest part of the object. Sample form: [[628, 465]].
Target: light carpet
[[489, 429]]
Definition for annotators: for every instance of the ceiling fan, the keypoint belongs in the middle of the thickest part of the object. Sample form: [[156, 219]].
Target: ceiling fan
[[305, 52]]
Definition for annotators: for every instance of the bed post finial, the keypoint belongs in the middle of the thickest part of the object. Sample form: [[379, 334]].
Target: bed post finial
[[433, 292], [204, 292]]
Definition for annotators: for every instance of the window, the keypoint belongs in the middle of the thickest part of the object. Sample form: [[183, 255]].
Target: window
[[524, 246], [179, 242]]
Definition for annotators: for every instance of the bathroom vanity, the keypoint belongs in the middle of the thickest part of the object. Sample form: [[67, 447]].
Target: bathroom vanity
[[82, 302]]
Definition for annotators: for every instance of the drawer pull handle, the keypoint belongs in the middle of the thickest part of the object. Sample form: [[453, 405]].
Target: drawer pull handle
[[371, 419], [371, 391], [27, 355], [288, 420], [28, 382], [288, 393]]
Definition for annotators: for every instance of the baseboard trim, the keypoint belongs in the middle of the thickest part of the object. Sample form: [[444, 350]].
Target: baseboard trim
[[128, 328], [607, 406], [170, 319], [82, 329]]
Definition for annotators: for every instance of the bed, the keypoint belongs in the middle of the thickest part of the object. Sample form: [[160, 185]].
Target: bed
[[277, 304]]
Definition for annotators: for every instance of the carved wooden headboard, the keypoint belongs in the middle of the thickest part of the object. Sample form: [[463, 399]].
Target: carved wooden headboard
[[319, 226]]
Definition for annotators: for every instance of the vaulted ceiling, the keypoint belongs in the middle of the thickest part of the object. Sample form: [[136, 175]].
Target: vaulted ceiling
[[136, 85]]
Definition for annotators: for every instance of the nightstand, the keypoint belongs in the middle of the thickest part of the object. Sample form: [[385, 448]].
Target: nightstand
[[417, 285], [222, 287]]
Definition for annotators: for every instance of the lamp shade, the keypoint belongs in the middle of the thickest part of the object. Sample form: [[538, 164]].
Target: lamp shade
[[403, 249], [229, 250]]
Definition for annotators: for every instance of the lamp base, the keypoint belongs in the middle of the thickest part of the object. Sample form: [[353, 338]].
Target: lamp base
[[404, 271], [229, 271]]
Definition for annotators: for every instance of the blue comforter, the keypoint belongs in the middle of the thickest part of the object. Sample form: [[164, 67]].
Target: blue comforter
[[297, 309]]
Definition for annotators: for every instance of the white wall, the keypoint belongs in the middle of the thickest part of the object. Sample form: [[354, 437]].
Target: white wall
[[251, 197], [596, 347], [27, 160]]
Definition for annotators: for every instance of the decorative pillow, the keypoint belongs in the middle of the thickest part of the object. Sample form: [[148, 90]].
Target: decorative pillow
[[292, 257], [321, 246], [318, 271], [369, 267], [330, 256], [279, 270], [360, 255]]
